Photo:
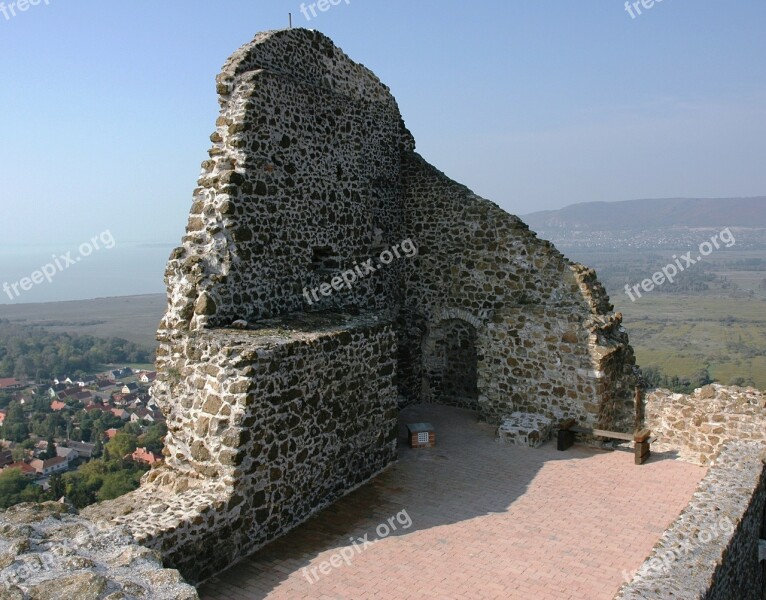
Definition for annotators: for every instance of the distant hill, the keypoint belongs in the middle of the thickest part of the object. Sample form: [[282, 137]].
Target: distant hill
[[653, 214]]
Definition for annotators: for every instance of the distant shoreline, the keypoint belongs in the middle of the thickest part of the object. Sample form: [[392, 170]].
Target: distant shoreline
[[134, 318], [96, 299]]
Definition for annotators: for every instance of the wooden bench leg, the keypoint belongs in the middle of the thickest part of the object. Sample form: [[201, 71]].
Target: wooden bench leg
[[643, 452], [565, 439]]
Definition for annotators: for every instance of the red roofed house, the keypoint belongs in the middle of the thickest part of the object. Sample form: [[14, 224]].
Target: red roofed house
[[57, 406], [10, 384], [110, 433], [52, 465], [121, 413], [25, 469], [2, 416], [144, 456]]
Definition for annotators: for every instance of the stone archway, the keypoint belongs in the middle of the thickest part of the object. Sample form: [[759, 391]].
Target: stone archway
[[451, 362]]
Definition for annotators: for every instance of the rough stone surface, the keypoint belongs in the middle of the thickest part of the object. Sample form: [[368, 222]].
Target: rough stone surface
[[525, 429], [697, 426], [272, 424], [279, 402], [49, 553], [312, 172], [711, 551]]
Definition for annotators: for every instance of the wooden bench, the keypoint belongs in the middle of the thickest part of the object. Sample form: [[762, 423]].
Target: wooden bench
[[569, 429]]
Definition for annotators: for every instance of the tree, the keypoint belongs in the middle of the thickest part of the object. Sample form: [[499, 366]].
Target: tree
[[19, 453], [102, 479], [16, 488], [652, 376], [120, 445], [98, 449], [50, 451], [27, 350], [118, 484], [77, 491], [15, 424], [701, 378], [154, 438], [57, 489]]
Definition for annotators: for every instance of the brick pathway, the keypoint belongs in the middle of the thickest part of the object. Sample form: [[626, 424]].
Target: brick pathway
[[487, 521]]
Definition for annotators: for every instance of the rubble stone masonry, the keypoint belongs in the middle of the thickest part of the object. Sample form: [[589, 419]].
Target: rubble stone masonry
[[277, 407]]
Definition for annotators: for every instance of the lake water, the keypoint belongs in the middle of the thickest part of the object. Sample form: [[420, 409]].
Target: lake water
[[124, 270]]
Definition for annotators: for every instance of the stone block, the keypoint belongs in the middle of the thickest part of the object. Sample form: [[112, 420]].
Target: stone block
[[525, 429]]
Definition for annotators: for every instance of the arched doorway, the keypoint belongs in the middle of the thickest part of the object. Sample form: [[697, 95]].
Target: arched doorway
[[452, 366]]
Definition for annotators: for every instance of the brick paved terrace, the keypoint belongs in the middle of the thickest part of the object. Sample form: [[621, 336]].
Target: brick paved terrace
[[482, 521]]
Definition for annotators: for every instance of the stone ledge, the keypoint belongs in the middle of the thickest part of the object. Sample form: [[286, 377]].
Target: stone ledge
[[711, 550], [49, 552], [296, 327]]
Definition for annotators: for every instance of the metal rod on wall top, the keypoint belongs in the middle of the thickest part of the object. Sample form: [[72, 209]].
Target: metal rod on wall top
[[290, 17]]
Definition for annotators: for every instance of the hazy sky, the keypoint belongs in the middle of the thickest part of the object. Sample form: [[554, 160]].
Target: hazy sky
[[106, 107]]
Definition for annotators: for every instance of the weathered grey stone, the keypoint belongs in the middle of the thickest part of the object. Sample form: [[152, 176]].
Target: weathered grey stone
[[711, 551], [68, 556], [525, 429], [697, 426], [83, 586], [312, 172]]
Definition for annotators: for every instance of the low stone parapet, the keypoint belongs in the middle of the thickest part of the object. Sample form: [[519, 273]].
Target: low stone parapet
[[697, 426], [711, 551], [47, 551], [269, 425]]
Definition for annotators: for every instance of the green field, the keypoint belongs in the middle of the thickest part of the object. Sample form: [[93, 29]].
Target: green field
[[713, 317], [682, 334], [134, 318], [721, 328]]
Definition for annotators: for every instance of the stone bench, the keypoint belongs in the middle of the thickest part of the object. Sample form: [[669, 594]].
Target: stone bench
[[568, 431], [525, 429]]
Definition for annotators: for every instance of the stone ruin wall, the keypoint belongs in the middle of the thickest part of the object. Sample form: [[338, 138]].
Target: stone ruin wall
[[311, 171], [304, 165], [310, 155], [273, 425], [711, 551], [48, 552], [697, 426], [546, 339]]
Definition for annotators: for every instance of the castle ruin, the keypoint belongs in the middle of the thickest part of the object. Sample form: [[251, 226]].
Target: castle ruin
[[281, 377], [280, 399]]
